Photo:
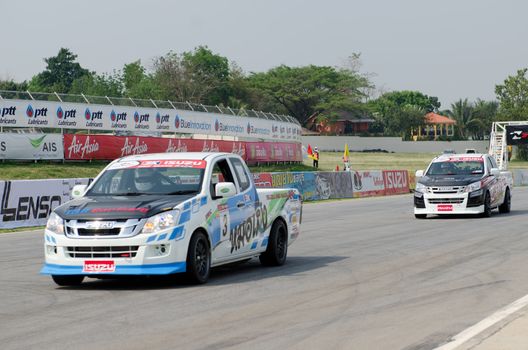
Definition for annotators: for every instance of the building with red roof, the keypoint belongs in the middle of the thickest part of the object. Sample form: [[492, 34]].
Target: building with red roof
[[436, 125]]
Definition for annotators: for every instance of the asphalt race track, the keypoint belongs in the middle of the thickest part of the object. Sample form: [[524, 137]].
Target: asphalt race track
[[363, 275]]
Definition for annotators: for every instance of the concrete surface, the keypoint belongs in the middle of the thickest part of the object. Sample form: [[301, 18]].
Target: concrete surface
[[364, 274]]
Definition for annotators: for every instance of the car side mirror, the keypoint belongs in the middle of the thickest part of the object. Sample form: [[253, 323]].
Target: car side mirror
[[225, 189], [419, 173], [495, 171], [78, 191]]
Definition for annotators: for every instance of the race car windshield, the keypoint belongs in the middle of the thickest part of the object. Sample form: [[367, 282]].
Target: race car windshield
[[465, 168], [148, 181]]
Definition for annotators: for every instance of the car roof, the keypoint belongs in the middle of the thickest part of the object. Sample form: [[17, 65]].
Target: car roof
[[175, 156], [444, 157]]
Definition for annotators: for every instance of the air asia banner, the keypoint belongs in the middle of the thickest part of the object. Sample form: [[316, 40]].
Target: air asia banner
[[368, 183], [29, 202], [31, 146], [47, 114], [517, 134], [109, 147]]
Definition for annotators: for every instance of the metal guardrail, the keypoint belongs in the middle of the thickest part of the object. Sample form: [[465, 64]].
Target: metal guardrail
[[135, 102]]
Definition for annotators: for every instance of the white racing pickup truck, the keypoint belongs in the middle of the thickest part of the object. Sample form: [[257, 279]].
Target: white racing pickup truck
[[462, 184], [161, 214]]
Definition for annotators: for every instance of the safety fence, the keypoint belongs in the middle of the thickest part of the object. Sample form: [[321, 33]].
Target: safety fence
[[108, 147], [27, 203]]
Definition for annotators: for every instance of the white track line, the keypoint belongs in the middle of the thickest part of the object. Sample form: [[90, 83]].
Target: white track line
[[486, 323]]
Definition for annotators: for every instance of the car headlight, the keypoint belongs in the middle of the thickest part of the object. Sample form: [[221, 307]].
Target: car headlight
[[475, 186], [420, 188], [161, 221], [55, 224]]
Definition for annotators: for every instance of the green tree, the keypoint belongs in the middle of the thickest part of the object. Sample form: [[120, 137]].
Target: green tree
[[486, 113], [98, 85], [462, 112], [60, 73], [513, 97], [199, 76], [138, 84], [397, 111], [311, 90], [11, 85]]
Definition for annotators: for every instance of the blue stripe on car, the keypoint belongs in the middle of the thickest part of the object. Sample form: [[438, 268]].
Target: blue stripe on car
[[254, 245], [203, 201], [264, 242], [184, 217], [176, 233], [154, 269], [162, 237], [151, 238], [186, 205]]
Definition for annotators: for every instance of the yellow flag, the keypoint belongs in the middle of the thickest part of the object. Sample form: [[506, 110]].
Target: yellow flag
[[345, 154]]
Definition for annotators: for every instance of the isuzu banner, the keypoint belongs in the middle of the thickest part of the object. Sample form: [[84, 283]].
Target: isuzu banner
[[30, 202], [48, 114], [31, 146], [368, 183], [396, 181]]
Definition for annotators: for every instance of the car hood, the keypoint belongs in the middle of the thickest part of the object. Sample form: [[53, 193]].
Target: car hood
[[119, 207], [448, 180]]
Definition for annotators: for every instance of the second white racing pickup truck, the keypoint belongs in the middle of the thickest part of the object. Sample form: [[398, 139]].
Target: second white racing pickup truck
[[160, 214], [462, 184]]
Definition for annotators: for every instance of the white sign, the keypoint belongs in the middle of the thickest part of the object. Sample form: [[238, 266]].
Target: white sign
[[49, 114], [31, 146], [368, 183], [29, 202]]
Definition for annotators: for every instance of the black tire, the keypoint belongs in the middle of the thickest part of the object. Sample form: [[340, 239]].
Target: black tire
[[198, 259], [505, 207], [487, 206], [65, 281], [420, 216], [277, 250]]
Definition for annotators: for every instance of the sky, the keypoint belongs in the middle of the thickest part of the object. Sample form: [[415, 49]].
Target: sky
[[451, 49]]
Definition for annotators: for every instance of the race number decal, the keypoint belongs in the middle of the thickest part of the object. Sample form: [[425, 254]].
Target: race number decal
[[225, 224]]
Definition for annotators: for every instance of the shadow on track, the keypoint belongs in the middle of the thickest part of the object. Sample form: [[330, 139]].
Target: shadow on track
[[477, 216], [223, 275]]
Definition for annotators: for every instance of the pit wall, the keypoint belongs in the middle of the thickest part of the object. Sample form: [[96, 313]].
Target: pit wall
[[390, 144]]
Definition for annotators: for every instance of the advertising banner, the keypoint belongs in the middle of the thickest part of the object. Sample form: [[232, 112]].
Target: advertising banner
[[109, 147], [396, 181], [49, 114], [31, 146], [368, 183], [517, 134], [29, 202]]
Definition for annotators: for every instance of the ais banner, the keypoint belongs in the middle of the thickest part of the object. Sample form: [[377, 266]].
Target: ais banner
[[517, 134], [29, 202], [31, 146]]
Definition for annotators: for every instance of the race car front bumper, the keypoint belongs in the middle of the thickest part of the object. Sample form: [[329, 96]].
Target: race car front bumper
[[155, 254], [449, 203]]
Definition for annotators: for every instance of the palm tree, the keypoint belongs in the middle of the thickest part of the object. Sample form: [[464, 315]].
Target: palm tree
[[462, 111]]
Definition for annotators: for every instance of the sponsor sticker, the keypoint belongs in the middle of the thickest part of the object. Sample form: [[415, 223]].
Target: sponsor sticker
[[98, 266], [444, 207]]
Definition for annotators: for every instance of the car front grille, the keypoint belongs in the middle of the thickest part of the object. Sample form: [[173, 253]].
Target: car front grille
[[102, 232], [102, 252], [105, 229], [445, 200]]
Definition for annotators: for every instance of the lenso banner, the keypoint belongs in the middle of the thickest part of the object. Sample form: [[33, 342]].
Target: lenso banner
[[29, 202], [368, 183], [109, 147], [31, 146], [47, 114]]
